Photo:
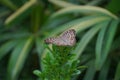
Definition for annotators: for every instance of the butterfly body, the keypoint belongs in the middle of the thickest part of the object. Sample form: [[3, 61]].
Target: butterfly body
[[67, 38]]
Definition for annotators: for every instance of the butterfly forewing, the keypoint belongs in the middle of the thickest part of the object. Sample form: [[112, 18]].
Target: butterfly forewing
[[67, 38]]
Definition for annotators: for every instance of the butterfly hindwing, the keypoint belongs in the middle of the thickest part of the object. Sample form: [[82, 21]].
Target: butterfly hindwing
[[54, 40], [67, 38]]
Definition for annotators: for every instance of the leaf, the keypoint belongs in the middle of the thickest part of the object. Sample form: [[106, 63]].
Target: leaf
[[117, 74], [104, 71], [46, 53], [83, 10], [4, 12], [56, 22], [20, 13], [61, 3], [86, 39], [37, 72], [108, 40], [37, 17], [40, 48], [9, 4], [79, 24], [90, 72], [94, 3], [116, 43], [39, 45], [99, 44], [18, 58], [17, 35], [6, 47]]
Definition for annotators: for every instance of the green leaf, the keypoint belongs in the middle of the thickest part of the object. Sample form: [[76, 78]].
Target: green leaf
[[88, 23], [46, 53], [116, 43], [117, 74], [94, 3], [17, 35], [86, 39], [37, 72], [20, 13], [61, 3], [90, 72], [40, 48], [36, 17], [56, 22], [79, 24], [104, 71], [4, 12], [6, 47], [108, 40], [99, 44], [9, 4], [84, 10], [39, 45], [18, 58]]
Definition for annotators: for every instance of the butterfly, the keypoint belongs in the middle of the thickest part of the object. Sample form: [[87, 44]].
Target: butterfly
[[67, 38]]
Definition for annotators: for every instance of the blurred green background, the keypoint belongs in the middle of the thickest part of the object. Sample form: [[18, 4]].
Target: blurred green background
[[24, 24]]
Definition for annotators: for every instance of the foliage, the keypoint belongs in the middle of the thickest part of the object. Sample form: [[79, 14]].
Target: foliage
[[24, 24], [58, 64]]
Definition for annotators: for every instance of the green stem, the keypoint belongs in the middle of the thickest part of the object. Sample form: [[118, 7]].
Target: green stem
[[36, 17]]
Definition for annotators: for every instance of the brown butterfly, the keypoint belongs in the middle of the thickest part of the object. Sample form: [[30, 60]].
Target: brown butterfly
[[67, 38]]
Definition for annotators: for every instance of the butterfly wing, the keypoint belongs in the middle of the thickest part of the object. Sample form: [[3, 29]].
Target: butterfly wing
[[55, 40], [69, 37]]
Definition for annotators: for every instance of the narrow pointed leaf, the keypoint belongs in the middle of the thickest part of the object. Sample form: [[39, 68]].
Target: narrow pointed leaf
[[117, 74], [90, 73], [4, 12], [79, 24], [61, 3], [99, 44], [6, 47], [40, 48], [56, 22], [18, 58], [39, 45], [17, 35], [116, 43], [86, 39], [108, 40], [84, 10], [20, 13], [9, 4], [104, 71], [36, 18]]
